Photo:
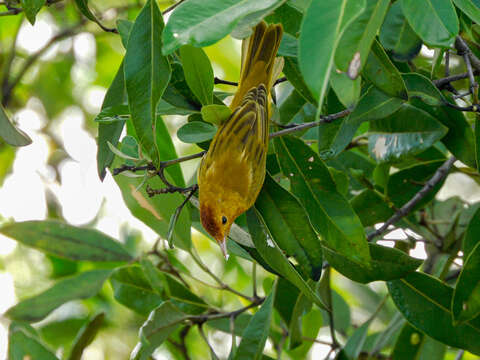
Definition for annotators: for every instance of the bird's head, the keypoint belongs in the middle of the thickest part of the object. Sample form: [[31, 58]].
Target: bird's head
[[217, 214]]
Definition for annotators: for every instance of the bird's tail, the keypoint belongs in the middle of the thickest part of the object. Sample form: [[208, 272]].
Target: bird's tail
[[258, 64]]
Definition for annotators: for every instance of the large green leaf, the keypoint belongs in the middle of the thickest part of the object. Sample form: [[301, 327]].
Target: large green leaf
[[396, 137], [374, 104], [203, 22], [322, 27], [198, 73], [460, 139], [466, 297], [469, 8], [425, 303], [419, 86], [66, 241], [10, 133], [380, 71], [331, 215], [435, 21], [110, 133], [31, 8], [408, 344], [23, 343], [397, 36], [132, 289], [256, 333], [274, 257], [147, 74], [288, 224], [360, 34], [386, 264], [160, 324], [81, 286]]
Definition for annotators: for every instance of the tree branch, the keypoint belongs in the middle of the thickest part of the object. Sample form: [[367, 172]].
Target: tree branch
[[439, 175]]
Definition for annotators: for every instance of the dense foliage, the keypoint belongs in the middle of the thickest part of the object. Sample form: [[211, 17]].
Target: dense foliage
[[377, 105]]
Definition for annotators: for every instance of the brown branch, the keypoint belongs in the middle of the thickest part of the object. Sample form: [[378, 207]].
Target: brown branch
[[167, 10], [439, 175], [15, 11]]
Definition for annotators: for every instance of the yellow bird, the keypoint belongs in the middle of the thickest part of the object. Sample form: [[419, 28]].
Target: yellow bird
[[232, 172]]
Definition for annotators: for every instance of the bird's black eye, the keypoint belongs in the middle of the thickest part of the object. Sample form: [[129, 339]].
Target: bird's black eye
[[224, 220]]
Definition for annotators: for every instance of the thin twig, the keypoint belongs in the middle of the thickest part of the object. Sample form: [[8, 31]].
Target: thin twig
[[212, 351], [198, 319], [167, 10], [439, 175]]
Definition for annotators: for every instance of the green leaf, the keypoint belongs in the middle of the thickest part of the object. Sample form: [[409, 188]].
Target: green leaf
[[409, 343], [160, 324], [302, 305], [81, 286], [132, 289], [466, 297], [419, 86], [274, 257], [288, 46], [397, 36], [291, 106], [360, 34], [285, 299], [396, 137], [371, 208], [66, 241], [31, 8], [469, 8], [346, 89], [110, 133], [203, 22], [10, 133], [215, 114], [85, 336], [289, 16], [374, 104], [198, 73], [331, 215], [381, 72], [425, 303], [288, 223], [124, 27], [291, 70], [435, 21], [411, 180], [256, 333], [24, 344], [196, 132], [460, 139], [386, 264], [178, 93], [471, 238], [356, 341], [322, 27], [147, 74]]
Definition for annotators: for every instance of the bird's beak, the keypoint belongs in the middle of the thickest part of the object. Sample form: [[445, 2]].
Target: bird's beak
[[223, 246]]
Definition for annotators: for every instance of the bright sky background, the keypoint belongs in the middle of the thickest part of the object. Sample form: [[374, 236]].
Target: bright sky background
[[81, 193]]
